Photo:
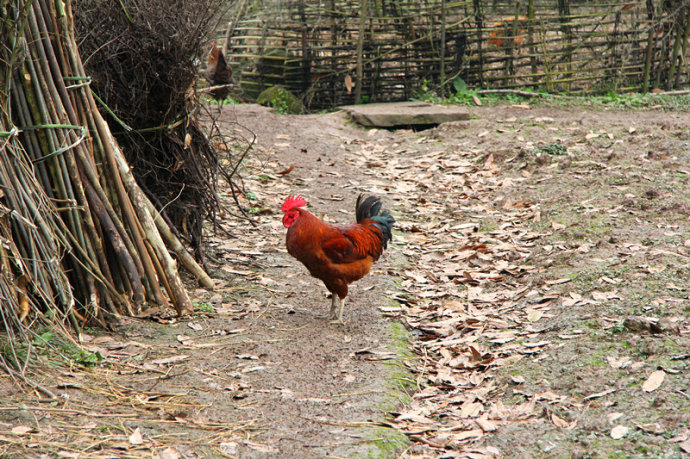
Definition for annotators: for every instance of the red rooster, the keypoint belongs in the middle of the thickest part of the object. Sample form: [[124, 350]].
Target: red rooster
[[218, 73], [338, 255]]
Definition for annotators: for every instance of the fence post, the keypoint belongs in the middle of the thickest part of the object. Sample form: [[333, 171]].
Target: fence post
[[512, 45], [306, 50], [530, 37], [684, 44], [650, 46], [360, 49], [479, 20], [334, 51], [442, 70], [564, 17], [681, 32]]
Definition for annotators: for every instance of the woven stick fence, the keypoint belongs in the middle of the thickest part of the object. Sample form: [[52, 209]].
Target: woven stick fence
[[79, 241], [398, 46]]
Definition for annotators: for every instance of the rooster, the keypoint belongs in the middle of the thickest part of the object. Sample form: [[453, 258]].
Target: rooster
[[218, 73], [338, 255]]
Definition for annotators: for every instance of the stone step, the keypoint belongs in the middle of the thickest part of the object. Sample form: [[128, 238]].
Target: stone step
[[405, 114]]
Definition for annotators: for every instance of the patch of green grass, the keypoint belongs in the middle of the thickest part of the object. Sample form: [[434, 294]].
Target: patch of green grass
[[592, 324], [486, 225], [587, 280], [464, 95], [596, 361], [400, 337], [226, 101], [640, 100], [553, 148], [50, 346], [388, 442], [400, 383], [204, 307], [263, 178]]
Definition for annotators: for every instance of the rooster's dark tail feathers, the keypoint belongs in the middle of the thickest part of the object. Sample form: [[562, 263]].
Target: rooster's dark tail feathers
[[370, 207]]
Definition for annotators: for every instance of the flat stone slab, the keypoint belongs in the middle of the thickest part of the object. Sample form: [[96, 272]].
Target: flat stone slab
[[405, 114]]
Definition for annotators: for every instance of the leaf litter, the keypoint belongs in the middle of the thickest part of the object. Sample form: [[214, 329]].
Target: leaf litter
[[509, 304]]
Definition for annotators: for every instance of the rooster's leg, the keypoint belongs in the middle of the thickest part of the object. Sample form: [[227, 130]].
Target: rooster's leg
[[334, 306], [342, 306]]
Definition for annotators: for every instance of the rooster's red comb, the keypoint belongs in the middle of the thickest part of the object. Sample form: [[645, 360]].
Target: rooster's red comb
[[293, 201]]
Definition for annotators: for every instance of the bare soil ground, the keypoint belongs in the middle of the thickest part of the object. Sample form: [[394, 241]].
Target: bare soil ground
[[540, 264]]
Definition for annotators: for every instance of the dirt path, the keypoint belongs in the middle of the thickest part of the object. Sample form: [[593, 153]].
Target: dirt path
[[319, 381], [540, 262], [257, 371]]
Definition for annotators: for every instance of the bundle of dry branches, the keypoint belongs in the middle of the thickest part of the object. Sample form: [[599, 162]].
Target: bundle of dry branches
[[143, 57], [78, 237]]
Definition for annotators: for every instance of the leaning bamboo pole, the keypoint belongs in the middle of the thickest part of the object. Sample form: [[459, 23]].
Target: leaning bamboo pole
[[83, 239], [680, 28]]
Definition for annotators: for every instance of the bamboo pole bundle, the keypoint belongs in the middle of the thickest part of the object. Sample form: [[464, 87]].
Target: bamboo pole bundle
[[75, 227]]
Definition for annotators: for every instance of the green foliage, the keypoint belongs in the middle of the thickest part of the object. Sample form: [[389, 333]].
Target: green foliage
[[263, 178], [226, 101], [467, 96], [553, 148], [459, 85], [424, 92], [463, 95], [281, 99], [204, 307], [388, 442], [639, 100], [86, 358], [51, 346]]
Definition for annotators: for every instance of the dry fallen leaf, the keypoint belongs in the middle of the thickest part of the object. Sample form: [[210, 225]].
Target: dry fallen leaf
[[260, 448], [652, 428], [348, 83], [169, 453], [557, 226], [619, 432], [230, 448], [654, 381], [562, 280], [613, 417], [169, 360], [136, 438], [288, 170], [486, 425], [21, 430], [622, 362], [685, 446], [195, 326], [471, 410], [562, 423], [534, 315], [518, 379], [599, 394]]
